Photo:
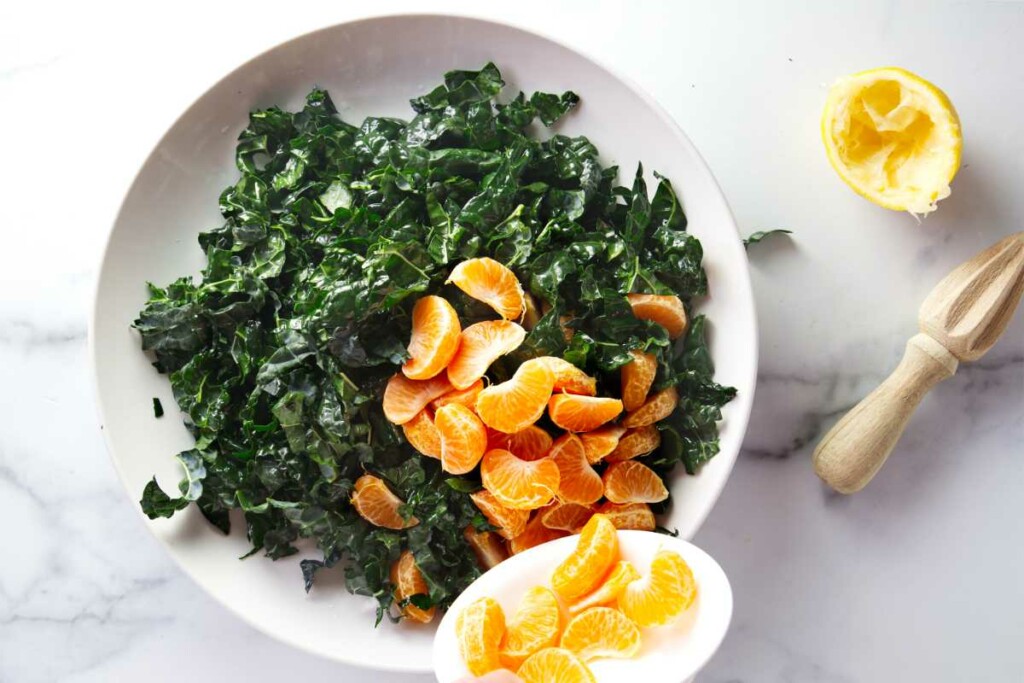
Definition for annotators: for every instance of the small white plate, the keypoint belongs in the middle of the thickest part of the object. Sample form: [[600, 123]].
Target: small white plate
[[371, 67], [681, 648]]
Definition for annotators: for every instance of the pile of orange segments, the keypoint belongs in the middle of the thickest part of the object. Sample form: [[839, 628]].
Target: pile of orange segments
[[538, 484], [595, 607]]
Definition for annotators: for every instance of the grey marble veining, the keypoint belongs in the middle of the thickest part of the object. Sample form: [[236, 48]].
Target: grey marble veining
[[917, 578]]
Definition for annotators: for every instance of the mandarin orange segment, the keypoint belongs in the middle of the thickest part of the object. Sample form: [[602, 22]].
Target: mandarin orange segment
[[601, 632], [375, 503], [466, 397], [570, 517], [534, 534], [487, 546], [582, 413], [569, 378], [463, 438], [479, 629], [565, 323], [661, 596], [517, 403], [555, 665], [637, 378], [435, 338], [636, 442], [666, 310], [536, 625], [636, 516], [517, 483], [531, 312], [480, 345], [577, 480], [621, 575], [597, 551], [633, 482], [422, 434], [408, 581], [532, 443], [510, 523], [404, 398], [486, 280], [657, 407], [599, 443]]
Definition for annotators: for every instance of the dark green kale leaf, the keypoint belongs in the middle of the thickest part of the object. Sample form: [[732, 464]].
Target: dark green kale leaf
[[156, 503], [756, 237]]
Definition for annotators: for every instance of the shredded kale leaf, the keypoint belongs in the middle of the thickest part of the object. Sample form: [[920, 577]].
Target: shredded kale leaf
[[279, 354], [756, 237]]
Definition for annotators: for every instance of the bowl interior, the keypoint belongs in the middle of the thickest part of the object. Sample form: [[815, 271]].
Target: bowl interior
[[371, 67]]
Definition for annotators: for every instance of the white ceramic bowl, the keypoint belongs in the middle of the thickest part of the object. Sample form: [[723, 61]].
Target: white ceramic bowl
[[668, 654], [371, 67]]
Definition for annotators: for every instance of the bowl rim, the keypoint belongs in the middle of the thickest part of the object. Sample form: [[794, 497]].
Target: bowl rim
[[739, 419]]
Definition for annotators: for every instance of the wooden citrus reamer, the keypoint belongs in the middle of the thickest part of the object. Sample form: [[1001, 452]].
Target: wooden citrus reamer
[[959, 321]]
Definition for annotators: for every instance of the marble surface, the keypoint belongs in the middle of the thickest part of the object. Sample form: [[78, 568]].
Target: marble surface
[[916, 578]]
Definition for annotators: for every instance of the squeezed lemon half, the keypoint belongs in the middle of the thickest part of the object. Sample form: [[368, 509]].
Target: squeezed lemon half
[[893, 137]]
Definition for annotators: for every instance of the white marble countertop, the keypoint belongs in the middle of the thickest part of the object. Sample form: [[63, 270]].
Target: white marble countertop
[[918, 578]]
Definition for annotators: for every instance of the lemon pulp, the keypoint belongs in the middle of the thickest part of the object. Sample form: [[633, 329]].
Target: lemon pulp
[[893, 137]]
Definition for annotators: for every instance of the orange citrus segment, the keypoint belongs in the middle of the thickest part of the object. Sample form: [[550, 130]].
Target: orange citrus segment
[[661, 596], [463, 438], [565, 322], [479, 629], [636, 442], [435, 338], [535, 626], [633, 482], [484, 279], [637, 378], [480, 345], [636, 516], [657, 407], [517, 483], [422, 435], [582, 413], [377, 505], [566, 516], [408, 581], [596, 552], [532, 443], [466, 397], [510, 523], [601, 632], [404, 397], [487, 546], [554, 665], [598, 443], [531, 312], [515, 404], [666, 310], [577, 480], [535, 534], [621, 575], [569, 378]]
